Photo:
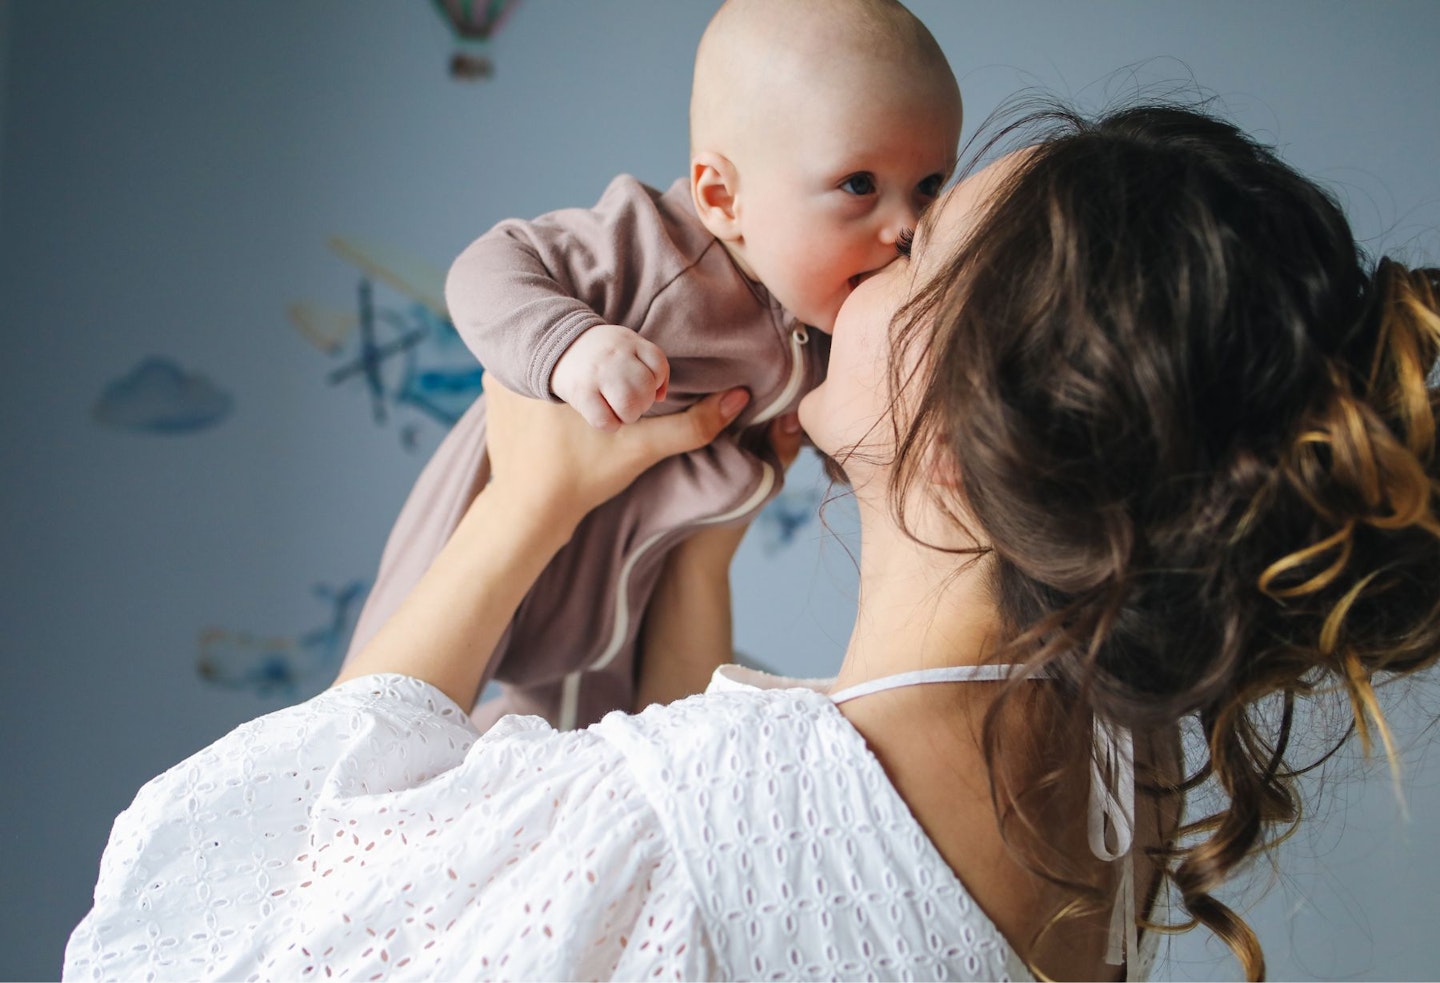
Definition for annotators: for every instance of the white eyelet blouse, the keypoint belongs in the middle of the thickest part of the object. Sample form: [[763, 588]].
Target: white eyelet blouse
[[369, 833]]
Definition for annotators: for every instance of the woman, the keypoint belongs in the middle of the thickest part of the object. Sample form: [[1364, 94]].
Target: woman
[[1135, 440]]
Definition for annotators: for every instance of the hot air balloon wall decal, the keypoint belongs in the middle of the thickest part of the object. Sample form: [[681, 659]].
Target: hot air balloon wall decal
[[474, 23]]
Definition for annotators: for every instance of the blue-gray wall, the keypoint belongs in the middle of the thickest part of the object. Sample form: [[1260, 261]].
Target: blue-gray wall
[[172, 172]]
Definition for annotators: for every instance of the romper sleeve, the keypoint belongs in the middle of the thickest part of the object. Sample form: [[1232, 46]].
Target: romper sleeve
[[522, 292], [370, 832]]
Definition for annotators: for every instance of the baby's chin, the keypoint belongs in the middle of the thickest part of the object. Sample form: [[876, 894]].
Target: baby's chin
[[823, 319], [817, 311]]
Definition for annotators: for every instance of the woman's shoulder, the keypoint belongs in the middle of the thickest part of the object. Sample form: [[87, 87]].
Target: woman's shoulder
[[805, 860], [744, 720]]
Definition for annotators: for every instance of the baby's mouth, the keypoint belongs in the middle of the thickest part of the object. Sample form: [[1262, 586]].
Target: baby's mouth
[[860, 278]]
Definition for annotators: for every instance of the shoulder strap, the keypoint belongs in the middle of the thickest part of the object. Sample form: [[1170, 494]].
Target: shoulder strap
[[939, 674]]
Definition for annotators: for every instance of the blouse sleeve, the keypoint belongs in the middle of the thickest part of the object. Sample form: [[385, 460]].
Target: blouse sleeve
[[370, 832]]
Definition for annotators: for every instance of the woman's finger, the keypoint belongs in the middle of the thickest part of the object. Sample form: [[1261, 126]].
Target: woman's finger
[[661, 436], [551, 452]]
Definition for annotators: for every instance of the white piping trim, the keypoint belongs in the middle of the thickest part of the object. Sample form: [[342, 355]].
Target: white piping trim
[[569, 700], [799, 338]]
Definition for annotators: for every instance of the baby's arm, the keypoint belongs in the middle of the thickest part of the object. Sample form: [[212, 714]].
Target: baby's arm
[[566, 289]]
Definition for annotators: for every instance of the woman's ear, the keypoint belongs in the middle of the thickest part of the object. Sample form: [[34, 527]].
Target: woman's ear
[[713, 186], [941, 469]]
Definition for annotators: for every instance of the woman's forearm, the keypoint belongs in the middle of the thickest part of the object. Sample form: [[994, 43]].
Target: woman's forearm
[[446, 629]]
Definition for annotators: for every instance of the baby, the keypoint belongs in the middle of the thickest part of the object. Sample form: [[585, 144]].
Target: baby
[[819, 131]]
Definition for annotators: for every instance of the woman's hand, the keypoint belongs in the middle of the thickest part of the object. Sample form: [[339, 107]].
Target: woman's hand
[[547, 457]]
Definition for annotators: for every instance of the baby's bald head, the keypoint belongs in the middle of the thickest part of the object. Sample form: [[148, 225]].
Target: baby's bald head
[[762, 61], [820, 130]]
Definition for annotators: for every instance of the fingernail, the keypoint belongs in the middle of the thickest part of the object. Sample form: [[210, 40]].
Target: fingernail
[[734, 401], [790, 423]]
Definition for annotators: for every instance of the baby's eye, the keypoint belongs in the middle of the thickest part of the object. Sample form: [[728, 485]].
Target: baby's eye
[[930, 187], [859, 184], [904, 241]]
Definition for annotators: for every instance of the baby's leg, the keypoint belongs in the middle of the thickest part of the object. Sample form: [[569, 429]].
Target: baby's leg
[[450, 481]]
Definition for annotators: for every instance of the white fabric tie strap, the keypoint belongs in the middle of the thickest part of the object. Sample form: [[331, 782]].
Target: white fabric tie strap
[[1112, 830], [1111, 820]]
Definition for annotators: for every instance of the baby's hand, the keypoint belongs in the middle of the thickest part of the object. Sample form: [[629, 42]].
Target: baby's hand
[[611, 376]]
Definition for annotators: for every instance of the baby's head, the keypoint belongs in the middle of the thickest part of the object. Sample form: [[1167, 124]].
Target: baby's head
[[819, 129]]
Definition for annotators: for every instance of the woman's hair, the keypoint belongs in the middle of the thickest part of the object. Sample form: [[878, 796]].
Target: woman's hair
[[1193, 424]]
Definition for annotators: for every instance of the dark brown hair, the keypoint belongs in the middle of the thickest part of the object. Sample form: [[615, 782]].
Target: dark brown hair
[[1192, 424]]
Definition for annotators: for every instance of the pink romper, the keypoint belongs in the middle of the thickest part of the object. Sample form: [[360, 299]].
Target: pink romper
[[519, 295]]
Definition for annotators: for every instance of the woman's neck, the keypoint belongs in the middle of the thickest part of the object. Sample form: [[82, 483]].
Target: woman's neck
[[919, 606]]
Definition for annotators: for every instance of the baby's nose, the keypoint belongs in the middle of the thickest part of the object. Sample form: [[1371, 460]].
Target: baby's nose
[[898, 219]]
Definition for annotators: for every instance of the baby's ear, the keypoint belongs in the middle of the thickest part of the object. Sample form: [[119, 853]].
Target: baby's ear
[[713, 186]]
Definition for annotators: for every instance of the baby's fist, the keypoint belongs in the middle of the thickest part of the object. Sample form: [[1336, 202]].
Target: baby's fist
[[611, 375]]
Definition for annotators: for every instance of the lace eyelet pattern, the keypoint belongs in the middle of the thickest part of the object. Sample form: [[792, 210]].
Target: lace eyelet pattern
[[370, 833]]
